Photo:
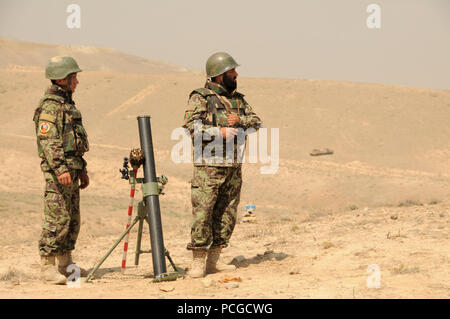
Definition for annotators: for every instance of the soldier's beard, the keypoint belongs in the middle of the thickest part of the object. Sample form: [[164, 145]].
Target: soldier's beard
[[229, 83]]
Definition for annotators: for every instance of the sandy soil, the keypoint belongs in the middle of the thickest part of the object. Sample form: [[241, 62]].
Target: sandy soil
[[380, 201]]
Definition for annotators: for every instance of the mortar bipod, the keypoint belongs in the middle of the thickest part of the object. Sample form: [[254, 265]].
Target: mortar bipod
[[141, 216]]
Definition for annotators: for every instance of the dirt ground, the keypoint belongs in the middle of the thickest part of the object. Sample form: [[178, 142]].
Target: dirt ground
[[376, 211]]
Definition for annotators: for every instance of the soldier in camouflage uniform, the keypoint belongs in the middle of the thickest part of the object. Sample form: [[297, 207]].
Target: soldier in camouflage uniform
[[216, 111], [61, 142]]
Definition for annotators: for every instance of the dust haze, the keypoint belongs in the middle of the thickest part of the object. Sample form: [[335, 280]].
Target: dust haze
[[322, 222]]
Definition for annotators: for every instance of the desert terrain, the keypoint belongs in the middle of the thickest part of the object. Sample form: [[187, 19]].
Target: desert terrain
[[382, 199]]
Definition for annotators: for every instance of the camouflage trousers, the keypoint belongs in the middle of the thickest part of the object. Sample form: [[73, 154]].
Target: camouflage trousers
[[215, 195], [61, 215]]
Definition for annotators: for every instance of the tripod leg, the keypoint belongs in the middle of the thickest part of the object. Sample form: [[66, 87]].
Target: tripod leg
[[170, 260], [112, 248], [138, 244]]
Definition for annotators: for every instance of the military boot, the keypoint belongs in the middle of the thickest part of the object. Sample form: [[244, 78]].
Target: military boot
[[49, 272], [197, 269], [213, 264], [64, 260]]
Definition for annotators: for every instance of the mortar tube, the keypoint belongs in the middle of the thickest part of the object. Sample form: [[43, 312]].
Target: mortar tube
[[152, 201]]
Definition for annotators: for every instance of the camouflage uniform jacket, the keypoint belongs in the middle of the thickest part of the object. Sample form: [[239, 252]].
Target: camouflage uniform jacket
[[209, 106], [61, 137]]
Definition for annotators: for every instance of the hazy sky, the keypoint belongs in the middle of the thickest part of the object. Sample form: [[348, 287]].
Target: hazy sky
[[314, 39]]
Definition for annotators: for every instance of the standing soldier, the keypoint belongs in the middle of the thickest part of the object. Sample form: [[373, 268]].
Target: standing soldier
[[61, 142], [220, 111]]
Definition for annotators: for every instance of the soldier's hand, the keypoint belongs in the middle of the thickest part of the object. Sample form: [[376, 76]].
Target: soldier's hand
[[84, 180], [65, 179], [228, 132], [233, 119]]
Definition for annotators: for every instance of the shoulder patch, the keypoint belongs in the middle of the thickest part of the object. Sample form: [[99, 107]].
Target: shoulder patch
[[44, 127]]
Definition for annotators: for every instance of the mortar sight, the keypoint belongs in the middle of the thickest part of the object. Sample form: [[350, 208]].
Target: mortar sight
[[124, 169]]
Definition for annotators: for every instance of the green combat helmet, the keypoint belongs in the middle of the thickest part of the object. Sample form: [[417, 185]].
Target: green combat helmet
[[59, 67], [219, 63]]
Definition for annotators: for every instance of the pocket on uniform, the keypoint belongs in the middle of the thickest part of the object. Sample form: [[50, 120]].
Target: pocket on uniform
[[194, 183], [82, 141], [48, 226], [196, 180], [69, 141]]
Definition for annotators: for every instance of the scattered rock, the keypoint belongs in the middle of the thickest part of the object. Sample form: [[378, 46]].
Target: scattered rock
[[167, 288], [328, 244], [207, 282], [323, 151], [232, 285], [294, 271], [398, 235], [229, 278], [394, 216], [441, 215]]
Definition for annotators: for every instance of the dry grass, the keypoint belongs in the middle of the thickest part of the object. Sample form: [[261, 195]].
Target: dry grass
[[327, 245], [409, 203], [14, 275], [402, 269]]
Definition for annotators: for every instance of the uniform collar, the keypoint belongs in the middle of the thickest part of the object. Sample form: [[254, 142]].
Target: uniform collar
[[59, 91], [219, 89]]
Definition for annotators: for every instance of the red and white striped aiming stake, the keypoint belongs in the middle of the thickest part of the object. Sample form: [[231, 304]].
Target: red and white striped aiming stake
[[130, 211]]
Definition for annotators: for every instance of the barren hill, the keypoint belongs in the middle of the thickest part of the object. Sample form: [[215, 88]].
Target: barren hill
[[19, 55], [381, 198]]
